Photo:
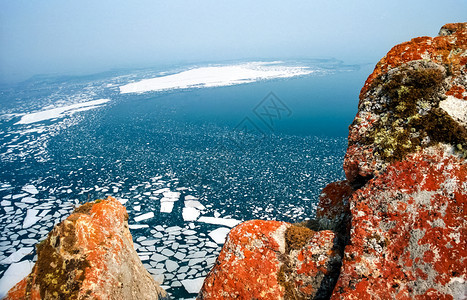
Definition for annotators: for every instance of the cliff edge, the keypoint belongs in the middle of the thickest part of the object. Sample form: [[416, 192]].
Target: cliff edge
[[396, 228], [89, 255]]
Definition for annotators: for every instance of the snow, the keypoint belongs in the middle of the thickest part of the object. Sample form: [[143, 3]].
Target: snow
[[14, 274], [31, 218], [29, 188], [190, 214], [60, 112], [17, 256], [145, 216], [220, 221], [193, 286], [219, 235], [214, 76]]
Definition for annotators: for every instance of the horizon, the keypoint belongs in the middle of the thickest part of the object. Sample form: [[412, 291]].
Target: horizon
[[85, 38]]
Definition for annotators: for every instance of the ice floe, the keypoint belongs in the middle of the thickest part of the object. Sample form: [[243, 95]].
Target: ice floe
[[145, 216], [29, 200], [219, 235], [190, 214], [60, 112], [17, 256], [31, 218], [193, 286], [167, 202], [215, 76], [133, 226], [14, 274], [220, 221], [29, 188], [171, 265]]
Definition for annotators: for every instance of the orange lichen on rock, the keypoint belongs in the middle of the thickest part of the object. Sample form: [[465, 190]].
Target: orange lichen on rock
[[409, 231], [272, 260], [448, 48], [410, 102], [248, 263], [89, 255]]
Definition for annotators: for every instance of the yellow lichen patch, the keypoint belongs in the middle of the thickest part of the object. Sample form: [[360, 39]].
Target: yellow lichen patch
[[296, 237], [411, 116]]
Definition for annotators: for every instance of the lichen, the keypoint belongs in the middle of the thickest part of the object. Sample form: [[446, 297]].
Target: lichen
[[409, 115], [296, 237], [59, 277], [86, 207]]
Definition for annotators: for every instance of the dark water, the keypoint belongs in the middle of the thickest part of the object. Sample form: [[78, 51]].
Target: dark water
[[259, 150]]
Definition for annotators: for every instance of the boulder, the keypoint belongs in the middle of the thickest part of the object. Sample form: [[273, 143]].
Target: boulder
[[408, 232], [273, 260], [89, 255], [415, 98]]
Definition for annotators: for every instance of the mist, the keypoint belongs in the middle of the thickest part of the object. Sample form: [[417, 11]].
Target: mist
[[65, 37]]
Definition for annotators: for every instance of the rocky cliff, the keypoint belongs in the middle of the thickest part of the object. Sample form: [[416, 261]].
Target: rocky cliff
[[396, 228], [90, 255]]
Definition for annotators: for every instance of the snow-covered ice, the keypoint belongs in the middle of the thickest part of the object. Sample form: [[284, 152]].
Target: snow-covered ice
[[145, 216], [190, 214], [214, 76], [193, 286], [134, 226], [29, 200], [158, 257], [17, 256], [194, 203], [29, 188], [167, 207], [219, 234], [167, 202], [59, 112], [14, 274], [220, 221], [171, 265], [31, 218]]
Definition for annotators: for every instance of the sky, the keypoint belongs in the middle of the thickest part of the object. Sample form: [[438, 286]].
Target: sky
[[89, 36]]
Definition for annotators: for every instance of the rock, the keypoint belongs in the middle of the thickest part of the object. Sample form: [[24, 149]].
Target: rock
[[407, 162], [415, 98], [401, 212], [409, 231], [89, 255], [333, 208], [272, 260]]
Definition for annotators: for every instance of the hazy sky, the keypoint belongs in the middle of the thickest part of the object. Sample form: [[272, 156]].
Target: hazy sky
[[83, 36]]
